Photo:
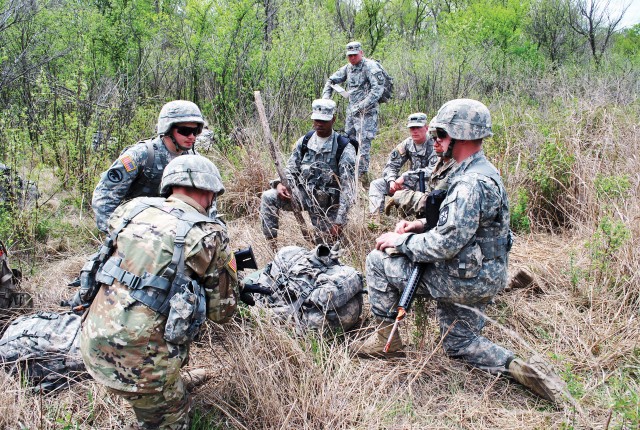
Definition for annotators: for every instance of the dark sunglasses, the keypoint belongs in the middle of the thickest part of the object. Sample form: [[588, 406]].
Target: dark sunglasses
[[188, 131], [441, 134]]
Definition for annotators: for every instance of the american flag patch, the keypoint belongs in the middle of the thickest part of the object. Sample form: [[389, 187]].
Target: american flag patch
[[128, 163], [232, 263]]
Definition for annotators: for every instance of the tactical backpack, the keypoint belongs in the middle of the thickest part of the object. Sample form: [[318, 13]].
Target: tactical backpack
[[10, 297], [343, 141], [312, 287], [388, 85], [45, 349]]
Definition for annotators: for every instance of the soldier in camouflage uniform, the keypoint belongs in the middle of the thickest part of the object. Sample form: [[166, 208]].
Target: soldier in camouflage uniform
[[125, 342], [321, 176], [437, 177], [365, 84], [138, 170], [467, 252], [416, 149]]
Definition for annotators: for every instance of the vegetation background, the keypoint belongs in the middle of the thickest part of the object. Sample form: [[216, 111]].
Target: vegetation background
[[81, 80]]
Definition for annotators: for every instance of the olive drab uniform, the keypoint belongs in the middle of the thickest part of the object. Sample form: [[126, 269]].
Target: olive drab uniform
[[126, 344], [323, 184], [311, 287], [418, 156], [136, 172], [365, 82], [468, 250]]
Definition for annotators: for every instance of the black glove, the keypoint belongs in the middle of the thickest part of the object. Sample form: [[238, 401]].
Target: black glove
[[246, 295]]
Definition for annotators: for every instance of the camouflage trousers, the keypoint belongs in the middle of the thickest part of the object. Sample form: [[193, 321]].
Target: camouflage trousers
[[377, 194], [271, 205], [363, 128], [168, 409], [460, 325]]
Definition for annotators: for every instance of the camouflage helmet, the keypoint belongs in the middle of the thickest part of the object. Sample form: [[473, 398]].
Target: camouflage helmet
[[432, 128], [464, 119], [178, 111], [191, 170]]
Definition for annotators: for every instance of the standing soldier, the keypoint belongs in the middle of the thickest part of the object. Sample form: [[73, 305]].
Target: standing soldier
[[138, 170], [365, 86], [321, 172], [416, 149], [171, 269], [467, 252]]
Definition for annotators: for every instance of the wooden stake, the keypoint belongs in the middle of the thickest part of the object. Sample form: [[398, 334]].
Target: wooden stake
[[277, 160]]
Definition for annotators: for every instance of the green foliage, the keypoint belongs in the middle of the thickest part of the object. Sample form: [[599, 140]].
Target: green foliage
[[520, 221], [607, 240], [552, 173], [611, 187], [575, 382], [626, 398]]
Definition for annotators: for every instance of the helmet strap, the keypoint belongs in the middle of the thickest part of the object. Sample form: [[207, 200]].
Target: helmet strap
[[177, 147], [449, 152]]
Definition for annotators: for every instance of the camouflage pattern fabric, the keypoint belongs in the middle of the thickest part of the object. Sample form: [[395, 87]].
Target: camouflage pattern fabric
[[333, 290], [468, 250], [167, 410], [324, 186], [464, 119], [418, 157], [365, 81], [122, 341], [411, 203], [128, 177]]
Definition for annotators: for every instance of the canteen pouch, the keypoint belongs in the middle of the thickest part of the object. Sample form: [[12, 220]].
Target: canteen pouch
[[186, 314]]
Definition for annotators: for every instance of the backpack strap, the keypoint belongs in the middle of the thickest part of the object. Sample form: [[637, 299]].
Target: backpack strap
[[151, 155], [343, 141], [305, 142]]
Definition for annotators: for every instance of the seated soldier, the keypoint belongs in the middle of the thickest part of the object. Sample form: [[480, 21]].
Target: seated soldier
[[416, 149]]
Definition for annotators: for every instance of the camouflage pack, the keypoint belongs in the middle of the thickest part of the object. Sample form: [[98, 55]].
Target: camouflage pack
[[388, 85], [44, 348], [10, 297], [312, 287]]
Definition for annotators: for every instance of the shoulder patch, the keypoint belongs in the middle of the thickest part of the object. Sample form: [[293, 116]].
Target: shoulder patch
[[444, 215], [232, 264], [128, 163], [114, 175]]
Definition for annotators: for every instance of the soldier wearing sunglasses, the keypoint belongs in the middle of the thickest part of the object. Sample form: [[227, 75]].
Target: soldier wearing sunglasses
[[138, 170]]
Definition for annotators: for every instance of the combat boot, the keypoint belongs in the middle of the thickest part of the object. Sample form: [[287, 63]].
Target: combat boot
[[539, 377], [195, 378], [373, 346]]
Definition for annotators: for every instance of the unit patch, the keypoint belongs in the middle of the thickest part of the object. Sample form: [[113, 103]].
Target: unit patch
[[114, 175], [444, 214]]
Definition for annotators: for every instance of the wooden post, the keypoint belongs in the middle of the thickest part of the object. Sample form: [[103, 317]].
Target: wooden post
[[277, 160]]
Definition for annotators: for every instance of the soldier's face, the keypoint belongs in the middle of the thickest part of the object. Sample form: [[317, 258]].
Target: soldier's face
[[354, 58], [323, 128], [185, 142], [418, 134], [442, 142]]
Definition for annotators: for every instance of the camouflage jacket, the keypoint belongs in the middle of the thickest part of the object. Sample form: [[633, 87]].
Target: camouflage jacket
[[365, 81], [417, 155], [122, 340], [321, 180], [132, 174], [470, 244]]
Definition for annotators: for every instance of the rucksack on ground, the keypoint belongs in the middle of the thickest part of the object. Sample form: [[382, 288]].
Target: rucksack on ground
[[44, 348], [312, 288], [10, 296]]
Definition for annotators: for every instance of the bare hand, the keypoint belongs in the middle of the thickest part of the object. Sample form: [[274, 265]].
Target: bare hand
[[283, 192], [394, 186], [386, 240], [405, 226]]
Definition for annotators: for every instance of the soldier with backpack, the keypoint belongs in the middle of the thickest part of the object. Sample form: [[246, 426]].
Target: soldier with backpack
[[138, 170], [365, 81], [321, 172], [169, 268]]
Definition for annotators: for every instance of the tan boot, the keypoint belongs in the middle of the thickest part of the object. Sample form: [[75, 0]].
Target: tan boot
[[539, 377], [194, 378], [373, 346]]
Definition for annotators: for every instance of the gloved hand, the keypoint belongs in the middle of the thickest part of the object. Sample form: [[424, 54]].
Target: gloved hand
[[246, 294]]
